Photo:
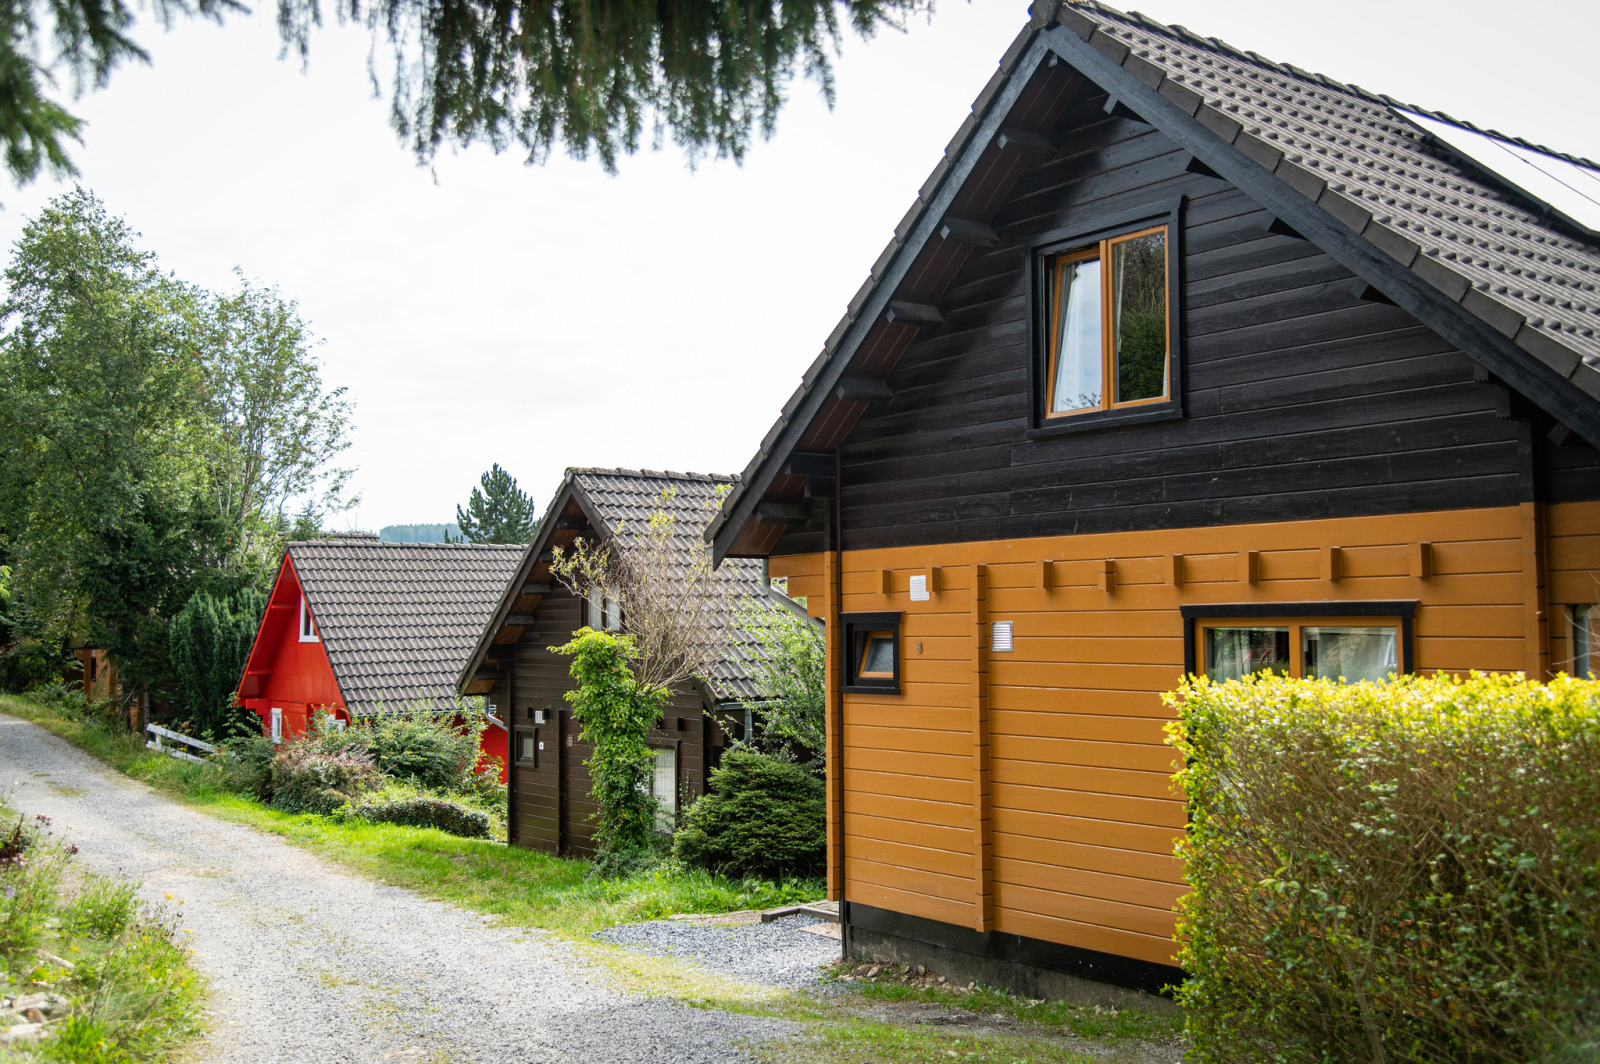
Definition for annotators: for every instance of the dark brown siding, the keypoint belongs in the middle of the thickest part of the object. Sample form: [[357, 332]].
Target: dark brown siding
[[1301, 400], [551, 801]]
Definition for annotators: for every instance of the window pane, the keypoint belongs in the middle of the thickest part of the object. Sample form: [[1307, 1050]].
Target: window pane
[[1585, 619], [1350, 654], [1235, 652], [664, 788], [879, 656], [1139, 303], [1076, 343]]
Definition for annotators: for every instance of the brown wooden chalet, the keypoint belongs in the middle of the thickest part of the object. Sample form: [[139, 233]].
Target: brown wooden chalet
[[1182, 361], [551, 807]]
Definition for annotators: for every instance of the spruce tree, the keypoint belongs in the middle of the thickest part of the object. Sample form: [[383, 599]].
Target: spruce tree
[[497, 512]]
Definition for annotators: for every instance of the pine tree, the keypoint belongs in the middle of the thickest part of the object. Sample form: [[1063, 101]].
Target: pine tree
[[498, 511]]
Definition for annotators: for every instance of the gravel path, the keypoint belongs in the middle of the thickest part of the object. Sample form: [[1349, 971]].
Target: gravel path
[[777, 954], [310, 964]]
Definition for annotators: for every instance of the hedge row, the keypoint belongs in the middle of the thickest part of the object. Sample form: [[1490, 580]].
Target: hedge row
[[1391, 872]]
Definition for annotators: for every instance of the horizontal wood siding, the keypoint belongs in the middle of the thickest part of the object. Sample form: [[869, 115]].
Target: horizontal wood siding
[[1082, 812], [1301, 400], [1572, 545]]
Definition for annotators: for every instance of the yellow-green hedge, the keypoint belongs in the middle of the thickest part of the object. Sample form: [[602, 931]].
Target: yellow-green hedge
[[1391, 872]]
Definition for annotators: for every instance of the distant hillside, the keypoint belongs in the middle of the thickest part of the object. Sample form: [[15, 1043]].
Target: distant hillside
[[418, 533]]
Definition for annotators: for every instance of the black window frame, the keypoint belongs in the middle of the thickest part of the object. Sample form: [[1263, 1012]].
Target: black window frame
[[854, 625], [532, 736], [1404, 609], [1046, 245]]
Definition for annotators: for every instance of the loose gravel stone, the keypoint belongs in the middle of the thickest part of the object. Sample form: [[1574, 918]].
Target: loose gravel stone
[[777, 954], [311, 964]]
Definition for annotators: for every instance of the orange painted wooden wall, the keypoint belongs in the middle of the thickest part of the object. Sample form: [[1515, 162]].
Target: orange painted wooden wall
[[1029, 792]]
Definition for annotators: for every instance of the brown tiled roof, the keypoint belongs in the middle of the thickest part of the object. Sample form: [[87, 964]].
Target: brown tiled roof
[[1339, 150], [398, 620], [623, 500]]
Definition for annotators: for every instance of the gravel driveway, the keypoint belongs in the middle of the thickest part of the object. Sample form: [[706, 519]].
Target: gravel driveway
[[780, 953], [311, 964]]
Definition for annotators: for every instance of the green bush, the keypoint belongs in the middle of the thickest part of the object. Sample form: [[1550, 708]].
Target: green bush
[[208, 642], [762, 817], [1391, 872], [435, 749], [308, 780], [29, 665], [419, 810]]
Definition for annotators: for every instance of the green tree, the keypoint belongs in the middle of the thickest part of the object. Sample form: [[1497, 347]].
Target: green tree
[[209, 642], [156, 440], [790, 659], [497, 512], [586, 74]]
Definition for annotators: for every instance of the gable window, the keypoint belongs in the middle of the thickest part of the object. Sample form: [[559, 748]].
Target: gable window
[[604, 610], [872, 652], [308, 627], [1348, 642], [1105, 326]]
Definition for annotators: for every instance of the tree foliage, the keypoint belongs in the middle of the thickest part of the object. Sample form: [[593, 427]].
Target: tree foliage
[[790, 659], [155, 438], [666, 585], [762, 817], [497, 512], [209, 642]]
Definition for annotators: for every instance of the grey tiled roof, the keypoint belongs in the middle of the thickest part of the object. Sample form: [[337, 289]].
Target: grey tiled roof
[[398, 620], [1341, 147]]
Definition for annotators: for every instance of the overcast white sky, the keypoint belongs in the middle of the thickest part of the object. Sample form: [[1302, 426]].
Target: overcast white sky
[[551, 316]]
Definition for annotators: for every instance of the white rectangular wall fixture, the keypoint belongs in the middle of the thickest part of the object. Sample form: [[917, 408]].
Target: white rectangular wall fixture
[[277, 725], [1000, 641], [919, 588]]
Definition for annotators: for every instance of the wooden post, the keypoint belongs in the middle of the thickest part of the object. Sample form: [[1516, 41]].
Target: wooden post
[[833, 728], [982, 855], [1535, 593]]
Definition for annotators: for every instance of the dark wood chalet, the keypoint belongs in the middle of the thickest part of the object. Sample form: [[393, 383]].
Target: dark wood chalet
[[551, 807], [1182, 361]]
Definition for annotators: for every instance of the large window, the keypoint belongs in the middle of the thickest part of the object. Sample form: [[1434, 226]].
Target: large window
[[1107, 324], [1320, 640]]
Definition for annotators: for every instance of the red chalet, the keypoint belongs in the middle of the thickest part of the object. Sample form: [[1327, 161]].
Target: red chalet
[[355, 625]]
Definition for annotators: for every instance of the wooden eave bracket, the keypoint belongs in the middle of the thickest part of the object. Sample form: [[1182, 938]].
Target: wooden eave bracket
[[1031, 145], [913, 314], [962, 231], [863, 390], [536, 589], [785, 513], [810, 464]]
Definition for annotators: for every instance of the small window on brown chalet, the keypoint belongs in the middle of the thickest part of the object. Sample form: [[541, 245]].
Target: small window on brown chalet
[[1105, 327], [604, 610], [872, 652], [527, 749]]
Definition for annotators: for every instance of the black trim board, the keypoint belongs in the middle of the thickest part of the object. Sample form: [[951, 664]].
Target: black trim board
[[1476, 338], [1009, 949], [1405, 609]]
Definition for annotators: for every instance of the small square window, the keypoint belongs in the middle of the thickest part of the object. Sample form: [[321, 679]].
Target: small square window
[[872, 652], [527, 750]]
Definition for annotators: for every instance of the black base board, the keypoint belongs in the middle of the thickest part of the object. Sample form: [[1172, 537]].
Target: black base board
[[1027, 966]]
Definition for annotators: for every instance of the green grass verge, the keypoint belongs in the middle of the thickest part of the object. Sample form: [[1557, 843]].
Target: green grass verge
[[522, 887]]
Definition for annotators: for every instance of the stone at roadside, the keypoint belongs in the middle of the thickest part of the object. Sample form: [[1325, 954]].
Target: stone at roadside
[[21, 1032]]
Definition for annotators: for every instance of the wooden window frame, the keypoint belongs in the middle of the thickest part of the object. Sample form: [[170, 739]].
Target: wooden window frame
[[1094, 239], [532, 737], [1295, 616], [865, 626]]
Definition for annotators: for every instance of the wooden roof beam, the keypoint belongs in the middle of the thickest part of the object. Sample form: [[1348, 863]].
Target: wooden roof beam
[[536, 589], [786, 513], [1036, 145], [913, 314], [810, 464], [1117, 109], [862, 390], [963, 231]]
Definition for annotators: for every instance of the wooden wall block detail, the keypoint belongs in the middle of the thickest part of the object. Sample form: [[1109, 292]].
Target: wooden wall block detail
[[1331, 561], [935, 580], [1175, 570], [1249, 566], [1421, 560], [1106, 578], [886, 581], [1047, 575]]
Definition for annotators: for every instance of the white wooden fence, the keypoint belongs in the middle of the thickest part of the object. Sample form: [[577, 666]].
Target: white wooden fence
[[164, 733]]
